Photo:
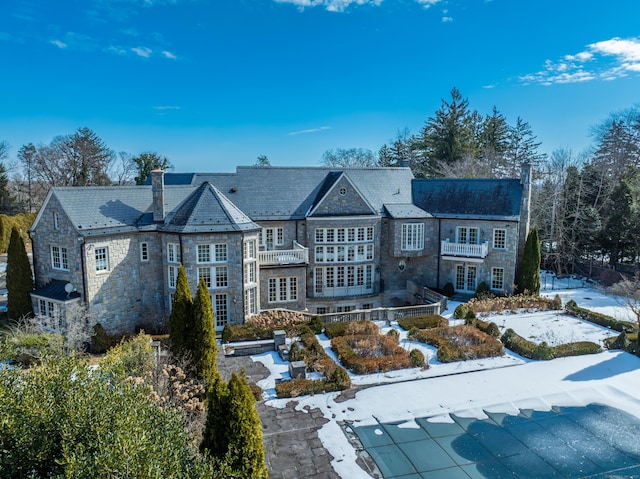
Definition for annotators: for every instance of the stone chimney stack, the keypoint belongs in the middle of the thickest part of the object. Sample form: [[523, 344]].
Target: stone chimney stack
[[157, 191]]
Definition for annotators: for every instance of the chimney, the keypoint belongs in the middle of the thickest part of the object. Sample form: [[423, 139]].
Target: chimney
[[157, 191]]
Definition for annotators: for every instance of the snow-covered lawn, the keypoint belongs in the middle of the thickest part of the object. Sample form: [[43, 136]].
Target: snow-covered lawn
[[609, 378]]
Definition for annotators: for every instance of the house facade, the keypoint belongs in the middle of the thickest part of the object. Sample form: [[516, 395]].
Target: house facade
[[322, 240]]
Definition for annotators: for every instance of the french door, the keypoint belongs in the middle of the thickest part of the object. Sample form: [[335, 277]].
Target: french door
[[466, 277]]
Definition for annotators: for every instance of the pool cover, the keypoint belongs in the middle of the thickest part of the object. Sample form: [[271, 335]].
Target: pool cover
[[595, 442]]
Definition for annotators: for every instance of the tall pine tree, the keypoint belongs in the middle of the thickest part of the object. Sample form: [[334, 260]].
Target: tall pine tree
[[180, 318], [245, 440], [19, 278], [529, 274], [215, 437], [204, 347]]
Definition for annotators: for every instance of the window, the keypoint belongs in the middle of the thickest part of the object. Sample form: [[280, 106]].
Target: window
[[250, 273], [56, 220], [59, 259], [249, 250], [172, 274], [251, 301], [342, 191], [144, 252], [272, 237], [367, 305], [102, 259], [221, 309], [212, 253], [345, 309], [499, 239], [467, 235], [321, 310], [283, 289], [412, 236], [214, 277], [49, 309], [173, 253], [497, 278]]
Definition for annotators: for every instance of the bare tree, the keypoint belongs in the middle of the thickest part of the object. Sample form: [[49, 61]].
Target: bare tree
[[123, 169], [628, 290], [349, 158]]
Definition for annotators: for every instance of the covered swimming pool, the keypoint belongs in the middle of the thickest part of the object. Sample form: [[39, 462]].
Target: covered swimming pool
[[594, 441]]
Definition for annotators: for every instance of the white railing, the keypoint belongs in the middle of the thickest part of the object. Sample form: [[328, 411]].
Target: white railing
[[465, 250], [340, 292], [298, 255]]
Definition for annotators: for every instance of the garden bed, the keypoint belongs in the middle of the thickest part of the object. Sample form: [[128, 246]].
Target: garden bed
[[459, 343]]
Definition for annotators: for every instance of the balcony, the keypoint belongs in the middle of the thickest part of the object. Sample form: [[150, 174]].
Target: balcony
[[298, 255], [464, 250]]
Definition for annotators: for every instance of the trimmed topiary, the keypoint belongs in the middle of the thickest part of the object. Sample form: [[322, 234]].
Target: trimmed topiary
[[482, 289], [316, 325], [449, 290], [19, 278], [417, 358]]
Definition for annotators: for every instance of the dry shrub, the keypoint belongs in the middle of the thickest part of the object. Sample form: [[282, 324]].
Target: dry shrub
[[497, 304], [371, 353], [422, 322], [459, 343], [276, 319]]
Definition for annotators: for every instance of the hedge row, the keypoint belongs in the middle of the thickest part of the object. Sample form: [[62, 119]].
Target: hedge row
[[496, 304], [543, 351], [597, 318], [370, 353], [423, 322], [334, 330], [23, 222], [491, 328], [251, 332], [459, 343], [302, 387]]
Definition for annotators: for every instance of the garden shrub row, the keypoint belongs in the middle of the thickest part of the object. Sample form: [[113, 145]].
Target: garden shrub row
[[368, 353], [334, 330], [251, 331], [543, 351], [597, 318], [459, 343], [423, 322], [302, 387], [497, 304], [489, 328]]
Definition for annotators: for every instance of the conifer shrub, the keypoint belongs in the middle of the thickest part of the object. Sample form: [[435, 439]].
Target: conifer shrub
[[482, 290], [100, 340], [417, 358], [529, 270], [19, 279], [204, 350], [227, 334], [295, 353], [180, 320], [333, 330], [316, 325], [578, 348], [490, 328], [449, 290], [543, 351], [461, 311], [422, 322]]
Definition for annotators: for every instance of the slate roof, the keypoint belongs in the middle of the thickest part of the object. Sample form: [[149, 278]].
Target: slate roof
[[207, 210], [406, 211], [469, 198], [54, 290]]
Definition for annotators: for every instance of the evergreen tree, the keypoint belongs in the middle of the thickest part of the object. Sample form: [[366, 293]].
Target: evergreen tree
[[180, 318], [215, 436], [245, 440], [529, 274], [204, 350], [145, 162], [19, 278], [7, 200]]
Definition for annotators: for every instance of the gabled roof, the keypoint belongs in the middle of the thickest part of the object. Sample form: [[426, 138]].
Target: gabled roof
[[207, 210], [407, 211], [469, 198], [331, 194]]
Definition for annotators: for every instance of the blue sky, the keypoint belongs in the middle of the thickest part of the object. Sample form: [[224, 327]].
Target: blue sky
[[214, 84]]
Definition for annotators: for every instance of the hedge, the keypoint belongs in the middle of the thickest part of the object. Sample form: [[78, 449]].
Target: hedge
[[370, 353], [334, 330], [423, 322], [496, 304], [459, 343], [302, 387], [543, 351], [491, 328], [23, 222], [597, 318]]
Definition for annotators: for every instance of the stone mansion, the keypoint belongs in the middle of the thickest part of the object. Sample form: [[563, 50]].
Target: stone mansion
[[322, 240]]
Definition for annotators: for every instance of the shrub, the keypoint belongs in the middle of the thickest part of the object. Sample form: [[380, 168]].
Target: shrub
[[496, 304], [557, 302], [100, 340], [449, 290], [227, 334], [543, 351], [417, 358], [393, 333], [316, 325], [422, 322], [132, 357], [371, 353], [19, 278], [302, 387], [459, 343], [491, 328], [620, 341], [333, 330], [482, 290], [578, 348], [295, 354], [597, 318], [276, 319], [461, 311], [340, 378]]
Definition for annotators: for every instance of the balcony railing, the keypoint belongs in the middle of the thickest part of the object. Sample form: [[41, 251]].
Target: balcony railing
[[465, 250], [298, 255]]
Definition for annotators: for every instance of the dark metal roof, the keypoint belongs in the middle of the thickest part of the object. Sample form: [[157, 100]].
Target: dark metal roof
[[54, 290], [469, 198]]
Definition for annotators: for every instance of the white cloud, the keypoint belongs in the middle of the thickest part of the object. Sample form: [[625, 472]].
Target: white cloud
[[330, 5], [142, 51], [58, 43], [428, 3], [446, 19], [166, 107], [169, 55], [310, 130], [606, 60]]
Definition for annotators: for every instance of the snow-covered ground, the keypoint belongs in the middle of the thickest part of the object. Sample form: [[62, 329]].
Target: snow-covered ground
[[609, 378]]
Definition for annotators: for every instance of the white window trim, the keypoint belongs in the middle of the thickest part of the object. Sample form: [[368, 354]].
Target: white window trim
[[213, 274], [172, 267], [291, 286], [60, 258], [56, 221], [175, 249], [412, 236], [495, 230], [106, 259], [493, 274]]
